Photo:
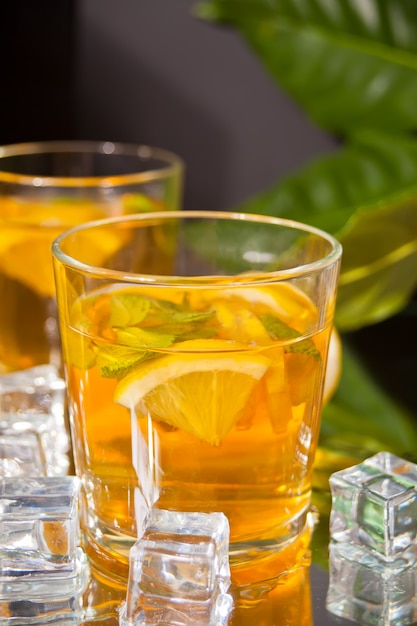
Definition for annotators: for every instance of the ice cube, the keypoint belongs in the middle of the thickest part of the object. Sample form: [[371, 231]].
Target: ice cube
[[39, 601], [21, 455], [33, 401], [364, 588], [43, 570], [39, 527], [179, 571], [375, 504]]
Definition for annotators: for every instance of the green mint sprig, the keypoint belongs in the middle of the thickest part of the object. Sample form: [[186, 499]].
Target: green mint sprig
[[128, 309], [278, 329], [142, 325]]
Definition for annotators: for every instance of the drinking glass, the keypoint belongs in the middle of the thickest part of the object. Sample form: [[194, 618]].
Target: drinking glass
[[46, 188], [195, 352]]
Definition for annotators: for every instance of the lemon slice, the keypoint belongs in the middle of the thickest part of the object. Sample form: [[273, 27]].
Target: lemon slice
[[238, 323], [283, 299], [199, 389], [28, 230], [286, 301], [334, 366], [27, 259]]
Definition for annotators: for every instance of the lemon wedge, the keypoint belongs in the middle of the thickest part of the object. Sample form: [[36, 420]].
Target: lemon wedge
[[334, 366], [200, 389]]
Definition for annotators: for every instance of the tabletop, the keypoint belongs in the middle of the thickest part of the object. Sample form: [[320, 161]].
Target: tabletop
[[329, 583], [300, 601], [331, 587], [305, 597]]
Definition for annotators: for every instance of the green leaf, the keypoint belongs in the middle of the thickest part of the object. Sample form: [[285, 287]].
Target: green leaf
[[362, 419], [139, 203], [182, 332], [278, 329], [127, 309], [180, 315], [365, 195], [226, 246], [380, 263], [326, 193], [141, 338], [348, 64], [116, 361]]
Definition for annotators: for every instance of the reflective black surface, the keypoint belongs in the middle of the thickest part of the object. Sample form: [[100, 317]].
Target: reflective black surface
[[367, 595]]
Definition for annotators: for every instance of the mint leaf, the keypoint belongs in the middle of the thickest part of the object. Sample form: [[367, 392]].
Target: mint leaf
[[138, 203], [180, 332], [277, 329], [118, 370], [187, 317], [181, 313], [199, 332], [115, 361], [140, 338], [128, 309]]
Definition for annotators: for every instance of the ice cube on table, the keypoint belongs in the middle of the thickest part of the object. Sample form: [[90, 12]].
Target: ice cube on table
[[21, 455], [179, 571], [364, 588], [33, 401], [39, 527], [43, 570], [374, 504], [37, 602]]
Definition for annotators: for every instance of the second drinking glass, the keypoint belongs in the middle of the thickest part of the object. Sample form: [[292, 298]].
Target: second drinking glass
[[45, 188]]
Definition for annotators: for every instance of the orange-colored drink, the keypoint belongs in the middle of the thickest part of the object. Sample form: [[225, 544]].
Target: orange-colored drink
[[28, 331], [46, 188], [194, 395]]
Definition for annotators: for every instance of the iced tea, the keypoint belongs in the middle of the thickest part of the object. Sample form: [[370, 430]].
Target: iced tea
[[194, 395], [46, 188], [28, 328]]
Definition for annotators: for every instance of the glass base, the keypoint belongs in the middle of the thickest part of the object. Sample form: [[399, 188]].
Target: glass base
[[38, 601], [256, 566]]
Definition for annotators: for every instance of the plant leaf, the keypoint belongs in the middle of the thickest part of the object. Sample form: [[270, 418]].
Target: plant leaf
[[349, 64], [380, 264], [128, 309], [362, 420], [365, 195], [114, 361], [359, 421], [140, 338]]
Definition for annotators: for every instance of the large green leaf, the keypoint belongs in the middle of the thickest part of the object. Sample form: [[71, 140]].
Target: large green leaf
[[365, 195], [361, 419], [380, 263], [349, 64]]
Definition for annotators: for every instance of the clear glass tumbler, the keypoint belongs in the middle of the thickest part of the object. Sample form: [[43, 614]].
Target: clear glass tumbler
[[46, 188], [195, 353]]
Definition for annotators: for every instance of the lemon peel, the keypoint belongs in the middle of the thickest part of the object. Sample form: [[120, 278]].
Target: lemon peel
[[197, 389]]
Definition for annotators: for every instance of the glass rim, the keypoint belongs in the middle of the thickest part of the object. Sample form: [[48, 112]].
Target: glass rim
[[206, 281], [171, 163]]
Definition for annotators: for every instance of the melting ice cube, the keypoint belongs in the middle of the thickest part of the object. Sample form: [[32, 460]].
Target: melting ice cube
[[375, 504], [179, 571]]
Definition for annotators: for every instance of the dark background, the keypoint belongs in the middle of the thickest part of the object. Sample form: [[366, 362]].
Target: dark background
[[148, 71]]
